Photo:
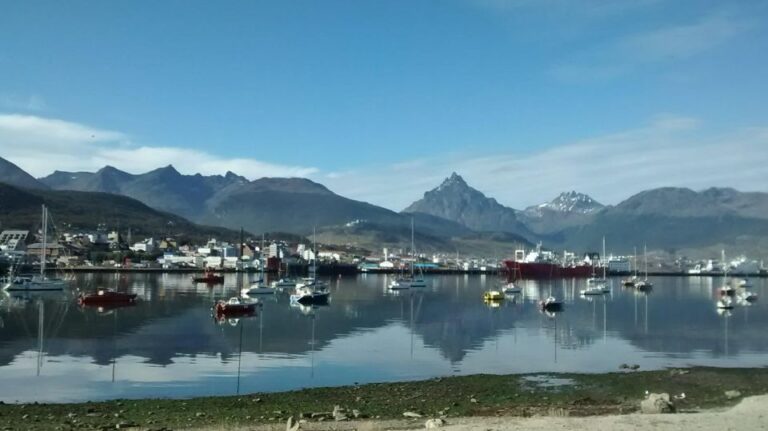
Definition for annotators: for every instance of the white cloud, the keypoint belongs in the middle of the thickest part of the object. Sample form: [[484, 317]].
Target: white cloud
[[664, 44], [41, 145], [670, 151]]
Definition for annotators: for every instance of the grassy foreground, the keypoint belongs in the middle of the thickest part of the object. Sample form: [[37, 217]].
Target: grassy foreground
[[478, 395]]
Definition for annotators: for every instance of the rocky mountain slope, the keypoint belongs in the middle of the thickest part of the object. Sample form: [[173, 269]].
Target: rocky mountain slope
[[455, 200]]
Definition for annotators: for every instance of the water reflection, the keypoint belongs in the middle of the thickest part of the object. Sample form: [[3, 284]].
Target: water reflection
[[168, 345]]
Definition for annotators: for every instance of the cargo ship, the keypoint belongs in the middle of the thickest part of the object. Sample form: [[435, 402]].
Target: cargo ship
[[538, 264]]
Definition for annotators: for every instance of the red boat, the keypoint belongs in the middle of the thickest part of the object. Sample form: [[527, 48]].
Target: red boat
[[547, 270], [106, 297], [209, 277], [234, 308]]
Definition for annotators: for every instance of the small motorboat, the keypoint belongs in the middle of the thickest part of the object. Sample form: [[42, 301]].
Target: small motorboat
[[551, 304], [629, 282], [493, 296], [401, 283], [209, 277], [234, 307], [107, 297], [258, 288], [644, 285], [748, 296], [284, 283], [511, 288], [593, 290]]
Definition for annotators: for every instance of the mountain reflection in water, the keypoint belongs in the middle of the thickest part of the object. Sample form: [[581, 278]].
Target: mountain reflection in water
[[169, 345]]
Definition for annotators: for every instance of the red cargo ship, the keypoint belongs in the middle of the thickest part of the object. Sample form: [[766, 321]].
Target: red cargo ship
[[538, 264], [546, 270]]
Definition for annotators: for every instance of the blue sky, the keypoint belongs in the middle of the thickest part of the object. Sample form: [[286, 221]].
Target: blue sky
[[380, 100]]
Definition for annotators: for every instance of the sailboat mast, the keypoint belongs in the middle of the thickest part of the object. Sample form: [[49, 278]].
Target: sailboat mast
[[604, 263], [261, 258], [413, 252], [634, 252], [645, 260], [45, 244]]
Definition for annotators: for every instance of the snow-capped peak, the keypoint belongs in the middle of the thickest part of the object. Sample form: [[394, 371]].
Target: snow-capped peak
[[572, 202]]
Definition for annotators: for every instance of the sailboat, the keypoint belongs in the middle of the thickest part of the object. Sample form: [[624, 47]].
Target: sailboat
[[260, 287], [630, 282], [38, 282], [726, 289], [310, 290], [599, 284], [644, 284], [412, 281]]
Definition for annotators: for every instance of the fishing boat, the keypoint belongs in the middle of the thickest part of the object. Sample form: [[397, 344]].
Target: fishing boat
[[209, 277], [233, 308], [106, 297], [412, 281], [38, 282]]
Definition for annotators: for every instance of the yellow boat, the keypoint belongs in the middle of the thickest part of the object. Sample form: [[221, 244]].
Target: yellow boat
[[493, 295]]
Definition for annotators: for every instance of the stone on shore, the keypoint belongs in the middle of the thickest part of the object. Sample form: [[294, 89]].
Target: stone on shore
[[434, 423], [657, 403]]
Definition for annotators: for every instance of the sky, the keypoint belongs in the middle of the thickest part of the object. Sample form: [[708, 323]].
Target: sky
[[380, 100]]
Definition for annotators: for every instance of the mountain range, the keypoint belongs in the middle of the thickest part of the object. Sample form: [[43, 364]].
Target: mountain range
[[451, 216]]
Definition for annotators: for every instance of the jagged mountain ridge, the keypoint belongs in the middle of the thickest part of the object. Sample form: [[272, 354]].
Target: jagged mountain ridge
[[566, 210], [14, 175], [665, 217], [455, 200]]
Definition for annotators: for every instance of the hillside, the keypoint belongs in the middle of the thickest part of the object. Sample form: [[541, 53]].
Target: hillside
[[14, 175], [20, 208]]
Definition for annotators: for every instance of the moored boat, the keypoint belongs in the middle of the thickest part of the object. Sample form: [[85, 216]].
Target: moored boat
[[234, 307], [310, 295], [493, 295], [106, 297], [209, 277], [551, 304]]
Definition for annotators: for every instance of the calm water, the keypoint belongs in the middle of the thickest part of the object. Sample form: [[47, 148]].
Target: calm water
[[169, 346]]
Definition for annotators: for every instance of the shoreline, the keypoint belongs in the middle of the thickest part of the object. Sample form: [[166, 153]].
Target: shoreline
[[484, 395], [347, 272]]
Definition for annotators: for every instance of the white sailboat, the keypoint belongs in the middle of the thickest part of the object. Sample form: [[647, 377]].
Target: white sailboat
[[260, 287], [411, 282], [42, 281], [644, 284], [599, 285], [310, 290]]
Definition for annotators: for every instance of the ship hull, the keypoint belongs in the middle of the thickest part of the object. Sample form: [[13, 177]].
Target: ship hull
[[539, 270]]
